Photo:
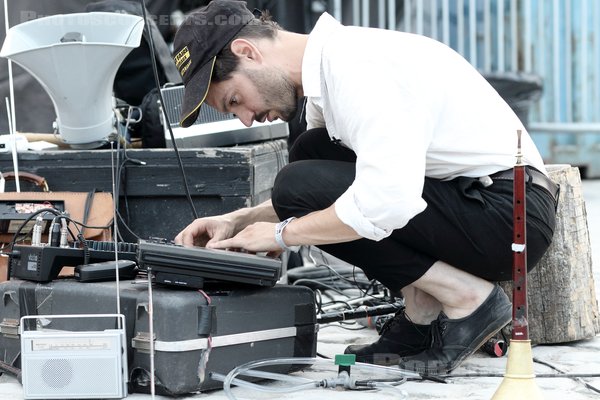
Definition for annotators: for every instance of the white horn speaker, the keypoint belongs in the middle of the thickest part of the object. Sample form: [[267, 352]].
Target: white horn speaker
[[76, 57]]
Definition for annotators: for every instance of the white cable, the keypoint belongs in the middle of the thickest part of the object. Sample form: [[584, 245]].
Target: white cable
[[151, 333], [247, 369], [10, 115], [115, 194], [13, 145], [11, 85]]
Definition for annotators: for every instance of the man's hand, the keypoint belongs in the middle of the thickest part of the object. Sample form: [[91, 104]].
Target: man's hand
[[257, 237], [206, 231]]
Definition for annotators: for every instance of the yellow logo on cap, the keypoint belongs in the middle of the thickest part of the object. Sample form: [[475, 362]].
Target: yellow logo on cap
[[185, 68], [181, 57]]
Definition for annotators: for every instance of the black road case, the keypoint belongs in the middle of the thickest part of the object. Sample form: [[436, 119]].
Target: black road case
[[195, 332], [152, 200]]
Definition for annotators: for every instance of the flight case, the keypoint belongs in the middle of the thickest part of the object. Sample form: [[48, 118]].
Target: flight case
[[196, 332]]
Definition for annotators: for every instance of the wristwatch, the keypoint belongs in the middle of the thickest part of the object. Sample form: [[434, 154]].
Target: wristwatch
[[279, 235]]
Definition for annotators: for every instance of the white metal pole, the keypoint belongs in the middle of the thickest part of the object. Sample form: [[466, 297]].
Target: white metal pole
[[473, 33], [584, 62], [446, 22], [500, 30]]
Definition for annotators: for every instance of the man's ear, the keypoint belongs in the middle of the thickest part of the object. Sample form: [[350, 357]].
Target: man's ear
[[245, 49]]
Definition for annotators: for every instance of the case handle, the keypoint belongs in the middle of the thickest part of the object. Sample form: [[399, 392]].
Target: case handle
[[39, 181]]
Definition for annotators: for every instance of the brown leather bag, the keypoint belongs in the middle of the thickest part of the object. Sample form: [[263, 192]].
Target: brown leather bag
[[99, 209]]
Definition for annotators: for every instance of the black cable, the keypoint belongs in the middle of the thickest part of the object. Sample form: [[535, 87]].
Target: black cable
[[120, 172], [561, 374], [127, 226], [29, 218], [166, 117], [353, 283], [343, 327], [77, 223], [318, 301], [372, 285], [317, 283], [575, 378]]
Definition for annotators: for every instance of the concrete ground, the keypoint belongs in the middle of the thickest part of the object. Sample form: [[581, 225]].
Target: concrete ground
[[477, 378]]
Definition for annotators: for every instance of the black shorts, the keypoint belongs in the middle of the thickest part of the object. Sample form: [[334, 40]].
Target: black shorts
[[465, 224]]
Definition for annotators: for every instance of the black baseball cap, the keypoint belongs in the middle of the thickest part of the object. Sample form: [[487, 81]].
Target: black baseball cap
[[203, 34]]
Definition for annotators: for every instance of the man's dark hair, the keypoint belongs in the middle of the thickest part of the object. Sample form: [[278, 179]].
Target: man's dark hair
[[258, 28]]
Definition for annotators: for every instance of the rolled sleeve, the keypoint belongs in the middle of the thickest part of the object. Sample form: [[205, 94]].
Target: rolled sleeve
[[352, 212]]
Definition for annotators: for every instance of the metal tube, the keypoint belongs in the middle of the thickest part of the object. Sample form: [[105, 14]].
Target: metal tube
[[556, 60], [487, 36], [381, 14], [596, 62], [570, 127], [407, 15], [473, 33], [460, 25], [568, 97], [514, 37], [541, 60], [355, 12], [365, 13], [419, 22], [392, 14], [584, 62], [527, 21], [500, 38], [446, 22], [433, 13], [337, 9]]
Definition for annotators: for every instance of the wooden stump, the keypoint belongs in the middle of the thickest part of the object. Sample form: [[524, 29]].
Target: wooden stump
[[562, 297]]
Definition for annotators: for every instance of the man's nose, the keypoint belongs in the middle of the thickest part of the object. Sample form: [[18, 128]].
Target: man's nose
[[246, 116]]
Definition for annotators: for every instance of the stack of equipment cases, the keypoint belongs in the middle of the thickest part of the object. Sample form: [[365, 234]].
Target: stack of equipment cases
[[196, 332]]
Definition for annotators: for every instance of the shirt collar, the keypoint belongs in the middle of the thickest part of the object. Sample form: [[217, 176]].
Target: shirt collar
[[311, 62]]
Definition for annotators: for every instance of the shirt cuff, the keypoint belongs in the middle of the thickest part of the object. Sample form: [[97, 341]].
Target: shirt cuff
[[348, 212]]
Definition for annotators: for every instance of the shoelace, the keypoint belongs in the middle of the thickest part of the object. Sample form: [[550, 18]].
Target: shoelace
[[392, 321], [438, 327]]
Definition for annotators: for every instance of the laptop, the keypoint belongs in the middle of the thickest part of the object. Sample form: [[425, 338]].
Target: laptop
[[193, 267]]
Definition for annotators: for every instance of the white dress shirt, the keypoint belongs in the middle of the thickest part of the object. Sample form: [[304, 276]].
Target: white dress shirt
[[409, 107]]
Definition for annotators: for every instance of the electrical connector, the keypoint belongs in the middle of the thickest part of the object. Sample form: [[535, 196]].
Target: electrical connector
[[64, 230], [54, 234], [36, 236]]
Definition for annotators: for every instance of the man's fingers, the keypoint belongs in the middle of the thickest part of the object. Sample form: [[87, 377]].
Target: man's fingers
[[220, 244]]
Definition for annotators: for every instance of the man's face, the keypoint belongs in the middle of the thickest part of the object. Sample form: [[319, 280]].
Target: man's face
[[258, 94]]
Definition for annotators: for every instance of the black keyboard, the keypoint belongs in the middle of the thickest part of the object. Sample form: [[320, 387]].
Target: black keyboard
[[42, 264], [193, 266], [122, 247]]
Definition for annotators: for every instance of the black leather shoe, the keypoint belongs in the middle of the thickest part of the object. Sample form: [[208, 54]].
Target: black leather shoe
[[399, 338], [453, 340]]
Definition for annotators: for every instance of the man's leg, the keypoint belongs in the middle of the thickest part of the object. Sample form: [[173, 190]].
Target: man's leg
[[459, 293], [473, 310]]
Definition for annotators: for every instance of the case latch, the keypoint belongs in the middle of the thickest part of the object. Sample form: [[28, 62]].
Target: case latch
[[9, 327]]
